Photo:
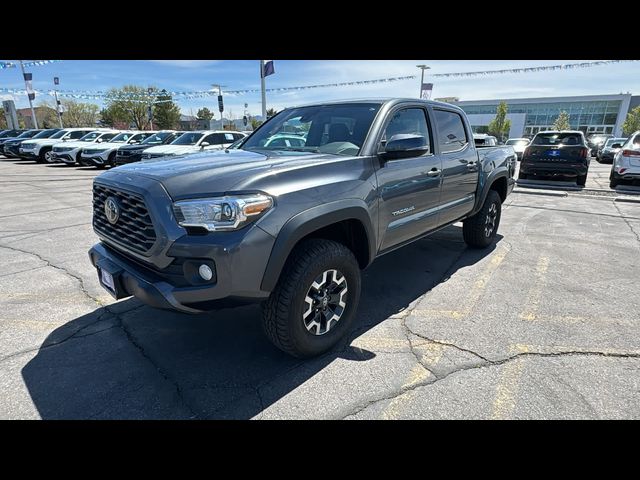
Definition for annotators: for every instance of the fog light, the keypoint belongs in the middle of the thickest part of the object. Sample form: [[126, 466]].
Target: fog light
[[205, 272]]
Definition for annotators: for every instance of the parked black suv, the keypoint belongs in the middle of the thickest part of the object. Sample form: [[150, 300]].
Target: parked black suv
[[292, 226], [10, 135], [12, 147], [556, 153], [133, 153]]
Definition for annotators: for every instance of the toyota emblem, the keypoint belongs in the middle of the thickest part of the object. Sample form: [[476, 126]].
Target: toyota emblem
[[112, 210]]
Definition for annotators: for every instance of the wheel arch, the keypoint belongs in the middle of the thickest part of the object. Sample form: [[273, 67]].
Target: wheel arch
[[347, 222]]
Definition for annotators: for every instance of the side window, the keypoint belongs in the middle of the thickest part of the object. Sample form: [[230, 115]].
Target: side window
[[636, 142], [451, 132], [77, 134], [215, 139], [237, 136], [410, 121]]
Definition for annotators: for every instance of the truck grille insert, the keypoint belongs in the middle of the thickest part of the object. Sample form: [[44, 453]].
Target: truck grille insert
[[133, 228]]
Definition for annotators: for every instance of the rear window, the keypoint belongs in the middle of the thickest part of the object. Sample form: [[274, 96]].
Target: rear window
[[557, 139]]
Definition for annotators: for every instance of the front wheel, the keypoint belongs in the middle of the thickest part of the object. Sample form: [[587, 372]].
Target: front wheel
[[480, 230], [314, 303]]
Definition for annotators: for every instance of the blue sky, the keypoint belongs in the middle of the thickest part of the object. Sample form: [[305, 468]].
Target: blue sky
[[195, 75]]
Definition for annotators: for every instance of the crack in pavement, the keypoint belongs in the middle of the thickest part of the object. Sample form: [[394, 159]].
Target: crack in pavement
[[636, 234], [164, 374], [62, 269], [488, 364]]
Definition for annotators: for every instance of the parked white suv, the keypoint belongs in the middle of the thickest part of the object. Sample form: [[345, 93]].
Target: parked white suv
[[105, 153], [69, 152], [191, 142], [626, 163], [40, 150]]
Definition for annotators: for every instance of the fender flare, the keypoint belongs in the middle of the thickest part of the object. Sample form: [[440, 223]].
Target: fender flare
[[499, 172], [309, 221]]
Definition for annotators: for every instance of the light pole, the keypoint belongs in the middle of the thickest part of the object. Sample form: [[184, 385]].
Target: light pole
[[55, 92], [423, 68], [27, 84], [264, 92], [220, 104]]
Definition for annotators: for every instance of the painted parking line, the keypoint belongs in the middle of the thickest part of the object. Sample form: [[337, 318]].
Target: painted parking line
[[532, 304]]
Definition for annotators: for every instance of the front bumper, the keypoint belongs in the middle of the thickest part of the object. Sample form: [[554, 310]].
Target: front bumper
[[63, 157], [124, 159], [28, 154], [11, 151], [94, 159]]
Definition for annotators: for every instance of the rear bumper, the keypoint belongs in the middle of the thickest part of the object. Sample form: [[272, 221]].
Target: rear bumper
[[551, 170]]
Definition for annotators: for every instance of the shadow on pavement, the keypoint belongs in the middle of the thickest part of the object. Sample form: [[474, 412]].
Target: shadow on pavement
[[149, 363]]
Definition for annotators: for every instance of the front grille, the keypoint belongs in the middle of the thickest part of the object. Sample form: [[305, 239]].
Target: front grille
[[133, 229]]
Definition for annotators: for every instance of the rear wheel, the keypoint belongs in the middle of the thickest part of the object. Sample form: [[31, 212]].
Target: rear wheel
[[480, 230], [314, 303], [582, 180], [613, 181]]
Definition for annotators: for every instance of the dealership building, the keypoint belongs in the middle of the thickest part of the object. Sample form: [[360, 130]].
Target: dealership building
[[589, 113]]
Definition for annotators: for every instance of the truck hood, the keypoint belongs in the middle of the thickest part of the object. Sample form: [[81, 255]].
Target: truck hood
[[213, 173], [44, 141]]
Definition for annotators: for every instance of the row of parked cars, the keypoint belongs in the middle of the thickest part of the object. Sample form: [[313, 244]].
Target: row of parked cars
[[568, 152], [102, 147]]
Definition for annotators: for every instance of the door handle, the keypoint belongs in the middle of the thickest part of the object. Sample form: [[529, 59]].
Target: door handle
[[471, 165], [434, 172]]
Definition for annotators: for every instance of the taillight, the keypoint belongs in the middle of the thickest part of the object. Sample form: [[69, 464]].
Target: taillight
[[631, 153], [584, 152]]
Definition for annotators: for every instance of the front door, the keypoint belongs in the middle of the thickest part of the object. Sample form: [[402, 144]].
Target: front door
[[409, 188], [460, 167]]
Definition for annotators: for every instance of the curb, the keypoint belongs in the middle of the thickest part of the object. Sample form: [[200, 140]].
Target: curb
[[627, 200], [549, 193]]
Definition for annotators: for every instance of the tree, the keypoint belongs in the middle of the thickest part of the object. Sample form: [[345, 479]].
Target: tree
[[499, 127], [46, 115], [271, 112], [632, 122], [3, 122], [79, 114], [130, 104], [562, 122], [255, 123], [205, 114], [166, 113]]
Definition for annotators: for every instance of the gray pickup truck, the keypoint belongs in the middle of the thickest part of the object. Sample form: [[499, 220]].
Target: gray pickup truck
[[290, 219]]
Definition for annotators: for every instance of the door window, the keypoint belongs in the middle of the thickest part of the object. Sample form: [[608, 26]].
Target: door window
[[409, 121], [451, 132]]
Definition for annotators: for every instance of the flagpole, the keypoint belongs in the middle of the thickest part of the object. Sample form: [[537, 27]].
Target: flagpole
[[264, 92], [33, 112]]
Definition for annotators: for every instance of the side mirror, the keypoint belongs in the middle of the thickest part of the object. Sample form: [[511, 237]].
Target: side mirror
[[99, 140], [616, 145], [405, 145], [133, 142], [204, 144]]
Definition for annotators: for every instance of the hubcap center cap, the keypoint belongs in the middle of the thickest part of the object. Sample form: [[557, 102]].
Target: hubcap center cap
[[324, 301]]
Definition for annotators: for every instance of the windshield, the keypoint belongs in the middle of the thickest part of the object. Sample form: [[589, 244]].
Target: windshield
[[611, 141], [28, 134], [59, 134], [557, 139], [518, 142], [46, 133], [336, 129], [122, 137], [189, 138], [90, 137], [156, 138]]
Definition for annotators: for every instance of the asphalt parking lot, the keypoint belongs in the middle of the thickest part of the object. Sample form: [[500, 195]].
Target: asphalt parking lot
[[543, 325]]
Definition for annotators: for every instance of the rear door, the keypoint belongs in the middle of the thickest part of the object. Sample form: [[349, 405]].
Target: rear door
[[409, 188], [459, 165]]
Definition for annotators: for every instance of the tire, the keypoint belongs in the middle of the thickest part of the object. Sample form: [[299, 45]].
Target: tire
[[480, 230], [112, 160], [44, 155], [522, 176], [313, 262], [582, 180], [613, 181]]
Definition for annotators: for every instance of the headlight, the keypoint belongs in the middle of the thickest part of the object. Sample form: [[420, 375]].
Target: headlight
[[223, 213]]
